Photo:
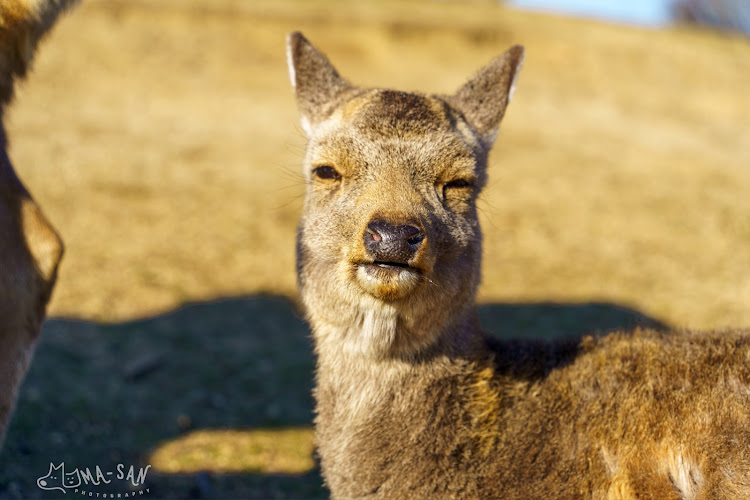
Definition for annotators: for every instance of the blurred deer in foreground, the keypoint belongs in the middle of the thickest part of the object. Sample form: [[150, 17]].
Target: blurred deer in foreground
[[30, 249], [413, 400]]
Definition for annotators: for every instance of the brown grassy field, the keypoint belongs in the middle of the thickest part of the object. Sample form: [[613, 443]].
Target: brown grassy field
[[161, 138]]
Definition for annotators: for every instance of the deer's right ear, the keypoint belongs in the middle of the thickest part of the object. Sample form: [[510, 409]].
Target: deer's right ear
[[316, 82]]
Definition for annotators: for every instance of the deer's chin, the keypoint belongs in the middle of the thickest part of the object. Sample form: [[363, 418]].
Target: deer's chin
[[388, 281]]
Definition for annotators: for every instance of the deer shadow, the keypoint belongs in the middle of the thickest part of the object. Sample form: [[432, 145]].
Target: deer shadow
[[107, 394]]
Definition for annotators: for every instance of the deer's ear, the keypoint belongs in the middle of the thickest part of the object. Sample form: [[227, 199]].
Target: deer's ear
[[483, 99], [316, 83]]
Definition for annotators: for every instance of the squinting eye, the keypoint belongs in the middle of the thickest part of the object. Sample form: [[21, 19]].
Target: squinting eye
[[326, 172], [458, 186], [458, 183]]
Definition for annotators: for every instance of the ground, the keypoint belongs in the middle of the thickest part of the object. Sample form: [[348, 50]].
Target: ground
[[161, 138]]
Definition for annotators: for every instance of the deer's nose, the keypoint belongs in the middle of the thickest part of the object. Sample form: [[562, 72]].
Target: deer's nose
[[392, 244]]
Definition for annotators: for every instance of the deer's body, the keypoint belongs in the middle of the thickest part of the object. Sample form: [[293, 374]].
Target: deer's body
[[30, 249], [643, 415], [413, 401]]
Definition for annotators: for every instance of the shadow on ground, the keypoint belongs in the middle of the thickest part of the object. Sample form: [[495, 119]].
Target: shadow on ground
[[109, 394]]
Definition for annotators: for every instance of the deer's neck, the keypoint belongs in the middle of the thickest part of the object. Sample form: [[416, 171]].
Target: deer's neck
[[363, 365], [372, 409]]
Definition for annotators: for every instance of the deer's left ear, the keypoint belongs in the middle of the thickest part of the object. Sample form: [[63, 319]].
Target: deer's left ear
[[483, 99], [316, 82]]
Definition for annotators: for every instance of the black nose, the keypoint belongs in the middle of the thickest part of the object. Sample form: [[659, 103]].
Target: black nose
[[391, 244]]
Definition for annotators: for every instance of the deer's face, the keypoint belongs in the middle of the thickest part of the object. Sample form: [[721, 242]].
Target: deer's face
[[390, 210], [389, 241]]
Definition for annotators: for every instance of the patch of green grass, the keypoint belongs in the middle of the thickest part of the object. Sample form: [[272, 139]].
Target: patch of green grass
[[261, 451]]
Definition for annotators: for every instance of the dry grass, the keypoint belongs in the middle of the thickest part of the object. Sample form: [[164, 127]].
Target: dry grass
[[161, 138]]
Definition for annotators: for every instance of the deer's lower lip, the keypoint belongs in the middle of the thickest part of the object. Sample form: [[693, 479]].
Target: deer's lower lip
[[388, 281]]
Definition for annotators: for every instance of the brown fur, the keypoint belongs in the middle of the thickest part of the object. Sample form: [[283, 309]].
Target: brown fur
[[30, 249], [413, 401]]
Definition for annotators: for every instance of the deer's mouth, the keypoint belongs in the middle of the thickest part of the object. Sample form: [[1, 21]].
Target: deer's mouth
[[387, 265], [380, 269], [387, 280]]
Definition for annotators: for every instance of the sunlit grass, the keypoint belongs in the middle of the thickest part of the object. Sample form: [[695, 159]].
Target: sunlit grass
[[257, 451]]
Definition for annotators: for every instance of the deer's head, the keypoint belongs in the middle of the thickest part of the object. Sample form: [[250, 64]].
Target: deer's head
[[389, 243]]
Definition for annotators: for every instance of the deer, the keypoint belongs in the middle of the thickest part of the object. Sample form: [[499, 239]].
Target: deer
[[30, 247], [412, 398]]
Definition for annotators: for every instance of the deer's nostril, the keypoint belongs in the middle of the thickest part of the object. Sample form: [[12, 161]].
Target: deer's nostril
[[374, 235], [415, 240]]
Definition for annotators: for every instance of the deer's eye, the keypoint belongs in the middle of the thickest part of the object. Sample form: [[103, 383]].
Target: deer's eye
[[458, 183], [456, 186], [326, 173]]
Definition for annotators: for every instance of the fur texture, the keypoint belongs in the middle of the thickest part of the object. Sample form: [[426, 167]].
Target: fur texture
[[30, 249], [413, 401]]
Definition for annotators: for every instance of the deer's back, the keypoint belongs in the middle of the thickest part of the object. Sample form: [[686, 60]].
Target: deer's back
[[638, 415]]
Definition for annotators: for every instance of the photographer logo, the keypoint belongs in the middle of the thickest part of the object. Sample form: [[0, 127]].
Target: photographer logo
[[123, 482]]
